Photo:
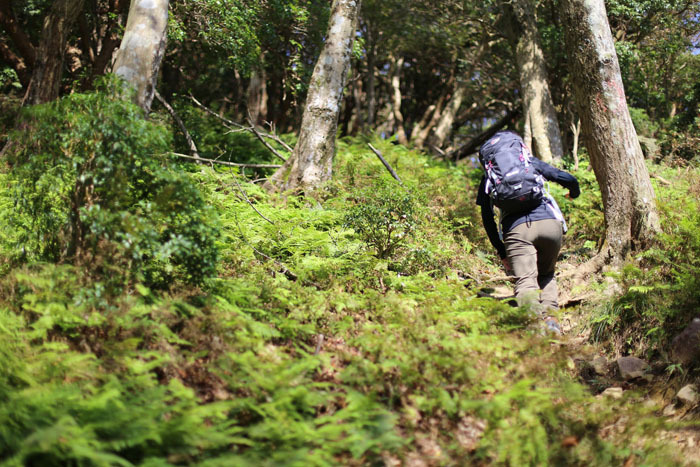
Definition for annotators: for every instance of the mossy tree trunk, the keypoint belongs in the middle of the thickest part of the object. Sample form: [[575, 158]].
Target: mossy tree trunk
[[538, 107], [48, 62], [142, 48], [631, 218], [311, 163]]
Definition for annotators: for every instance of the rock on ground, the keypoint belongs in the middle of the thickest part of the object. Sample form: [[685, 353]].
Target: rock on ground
[[688, 394], [685, 348], [631, 367]]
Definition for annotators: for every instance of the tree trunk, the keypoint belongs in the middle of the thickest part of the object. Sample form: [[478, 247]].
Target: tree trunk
[[575, 131], [311, 163], [538, 107], [16, 62], [110, 38], [16, 34], [356, 120], [397, 66], [48, 64], [631, 218], [447, 118], [257, 95], [142, 48], [527, 128], [371, 99]]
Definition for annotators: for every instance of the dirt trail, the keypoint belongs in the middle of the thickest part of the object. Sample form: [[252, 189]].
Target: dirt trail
[[593, 365]]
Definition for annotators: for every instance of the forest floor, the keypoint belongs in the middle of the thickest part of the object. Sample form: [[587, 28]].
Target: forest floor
[[595, 363], [312, 346]]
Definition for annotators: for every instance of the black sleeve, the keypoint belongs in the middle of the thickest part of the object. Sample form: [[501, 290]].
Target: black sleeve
[[553, 174], [490, 226]]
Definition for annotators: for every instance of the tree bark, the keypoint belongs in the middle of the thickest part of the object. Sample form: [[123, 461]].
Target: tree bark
[[397, 66], [257, 95], [142, 48], [311, 162], [575, 131], [538, 107], [110, 41], [16, 34], [447, 118], [16, 62], [631, 218], [371, 99], [48, 64]]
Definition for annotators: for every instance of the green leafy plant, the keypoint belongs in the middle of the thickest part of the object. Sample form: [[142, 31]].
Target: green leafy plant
[[385, 216], [91, 186]]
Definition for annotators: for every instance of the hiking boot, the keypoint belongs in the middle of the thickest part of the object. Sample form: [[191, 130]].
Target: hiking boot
[[551, 325]]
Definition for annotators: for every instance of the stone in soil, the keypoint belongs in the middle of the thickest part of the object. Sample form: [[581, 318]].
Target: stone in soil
[[615, 393], [631, 367], [685, 347], [688, 394], [600, 365]]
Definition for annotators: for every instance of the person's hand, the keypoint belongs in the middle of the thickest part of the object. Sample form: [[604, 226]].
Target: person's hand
[[507, 266]]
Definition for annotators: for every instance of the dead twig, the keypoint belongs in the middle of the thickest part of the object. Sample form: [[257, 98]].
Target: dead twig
[[319, 344], [262, 140], [273, 136], [386, 164], [661, 179], [245, 196], [190, 142], [230, 164], [251, 128]]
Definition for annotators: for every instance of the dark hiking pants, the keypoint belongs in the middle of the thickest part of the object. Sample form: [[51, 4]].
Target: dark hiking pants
[[533, 248]]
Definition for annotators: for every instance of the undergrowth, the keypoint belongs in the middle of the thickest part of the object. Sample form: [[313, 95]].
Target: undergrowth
[[313, 343]]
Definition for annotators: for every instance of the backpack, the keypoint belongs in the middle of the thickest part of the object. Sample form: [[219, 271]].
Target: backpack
[[512, 182]]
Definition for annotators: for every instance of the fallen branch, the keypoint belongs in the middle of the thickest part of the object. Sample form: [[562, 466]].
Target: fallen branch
[[262, 140], [230, 164], [251, 128], [386, 164], [250, 203], [190, 142], [661, 179]]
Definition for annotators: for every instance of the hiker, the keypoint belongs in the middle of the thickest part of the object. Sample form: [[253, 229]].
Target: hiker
[[529, 234]]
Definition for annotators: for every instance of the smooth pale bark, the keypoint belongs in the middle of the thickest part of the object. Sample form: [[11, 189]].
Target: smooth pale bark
[[575, 131], [311, 163], [447, 119], [538, 107], [397, 66], [631, 218], [48, 63], [142, 48]]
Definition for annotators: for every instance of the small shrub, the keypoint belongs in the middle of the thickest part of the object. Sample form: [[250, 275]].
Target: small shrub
[[385, 216], [90, 186]]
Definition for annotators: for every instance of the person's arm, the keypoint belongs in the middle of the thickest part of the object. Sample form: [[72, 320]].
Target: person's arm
[[490, 226], [492, 230], [553, 174]]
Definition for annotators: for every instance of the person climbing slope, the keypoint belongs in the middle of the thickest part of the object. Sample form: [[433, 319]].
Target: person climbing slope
[[529, 235]]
